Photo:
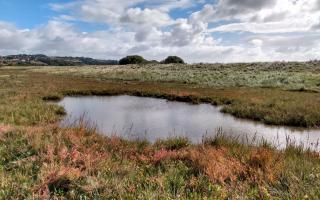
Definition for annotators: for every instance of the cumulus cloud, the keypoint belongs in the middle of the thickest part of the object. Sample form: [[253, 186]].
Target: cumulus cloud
[[137, 16], [262, 16], [296, 47], [59, 38], [232, 9], [279, 30]]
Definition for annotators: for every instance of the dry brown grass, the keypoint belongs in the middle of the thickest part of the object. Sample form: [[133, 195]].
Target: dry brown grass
[[66, 157], [265, 165], [74, 159], [257, 166], [217, 164]]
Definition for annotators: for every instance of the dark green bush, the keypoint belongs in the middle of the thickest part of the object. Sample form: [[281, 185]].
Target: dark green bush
[[135, 59], [173, 59]]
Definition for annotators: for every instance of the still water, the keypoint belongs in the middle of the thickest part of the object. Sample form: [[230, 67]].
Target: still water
[[149, 118]]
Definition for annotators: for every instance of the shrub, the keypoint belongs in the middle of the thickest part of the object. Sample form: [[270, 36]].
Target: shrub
[[173, 59], [135, 59]]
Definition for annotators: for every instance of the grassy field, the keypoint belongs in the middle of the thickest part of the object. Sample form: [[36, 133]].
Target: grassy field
[[40, 160], [274, 93], [291, 76]]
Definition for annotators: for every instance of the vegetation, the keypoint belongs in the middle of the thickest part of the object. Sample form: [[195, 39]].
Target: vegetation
[[273, 93], [40, 160], [49, 162], [173, 60], [43, 60], [297, 77], [132, 60]]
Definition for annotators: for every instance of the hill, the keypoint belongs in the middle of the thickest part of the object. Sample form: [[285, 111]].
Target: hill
[[43, 60]]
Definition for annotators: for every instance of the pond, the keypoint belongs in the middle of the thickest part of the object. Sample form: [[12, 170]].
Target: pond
[[152, 119]]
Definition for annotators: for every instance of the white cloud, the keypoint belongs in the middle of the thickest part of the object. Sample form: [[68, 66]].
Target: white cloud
[[274, 17], [280, 30], [137, 16], [257, 42]]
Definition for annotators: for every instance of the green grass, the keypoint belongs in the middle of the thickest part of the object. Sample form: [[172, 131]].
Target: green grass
[[40, 160], [292, 76], [273, 93]]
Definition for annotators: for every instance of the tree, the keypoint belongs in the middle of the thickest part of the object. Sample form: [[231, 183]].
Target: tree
[[173, 59], [135, 59]]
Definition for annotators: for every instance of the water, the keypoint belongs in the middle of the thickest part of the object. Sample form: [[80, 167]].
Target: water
[[149, 118]]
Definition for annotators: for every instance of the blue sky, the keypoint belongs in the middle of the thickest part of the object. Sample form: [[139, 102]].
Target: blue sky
[[198, 30], [27, 13]]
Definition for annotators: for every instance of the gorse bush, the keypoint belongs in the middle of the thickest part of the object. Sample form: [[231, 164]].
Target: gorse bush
[[173, 60], [135, 59]]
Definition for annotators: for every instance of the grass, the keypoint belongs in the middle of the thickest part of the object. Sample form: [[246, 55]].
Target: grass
[[76, 163], [40, 160], [291, 76], [288, 104]]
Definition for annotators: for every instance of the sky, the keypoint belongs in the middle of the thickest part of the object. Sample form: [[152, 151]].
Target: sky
[[196, 30]]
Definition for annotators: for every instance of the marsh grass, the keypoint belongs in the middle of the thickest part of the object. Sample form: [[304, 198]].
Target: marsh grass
[[277, 106], [268, 75], [40, 160], [53, 162]]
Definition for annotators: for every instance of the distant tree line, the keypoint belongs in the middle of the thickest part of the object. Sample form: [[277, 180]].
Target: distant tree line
[[136, 59], [43, 60]]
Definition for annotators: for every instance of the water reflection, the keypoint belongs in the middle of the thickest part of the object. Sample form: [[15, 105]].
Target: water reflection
[[152, 119]]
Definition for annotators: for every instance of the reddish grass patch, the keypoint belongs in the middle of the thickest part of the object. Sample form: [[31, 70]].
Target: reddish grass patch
[[265, 165], [163, 155], [217, 164], [5, 128]]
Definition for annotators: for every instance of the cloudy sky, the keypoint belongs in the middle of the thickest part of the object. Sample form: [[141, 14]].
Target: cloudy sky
[[197, 30]]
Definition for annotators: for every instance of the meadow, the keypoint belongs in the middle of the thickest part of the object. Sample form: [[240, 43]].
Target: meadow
[[40, 160]]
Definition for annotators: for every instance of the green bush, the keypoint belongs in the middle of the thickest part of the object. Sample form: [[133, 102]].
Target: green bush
[[135, 59], [173, 59]]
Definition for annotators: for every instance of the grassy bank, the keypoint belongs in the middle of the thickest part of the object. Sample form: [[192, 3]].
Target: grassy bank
[[40, 160], [49, 162], [271, 105]]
